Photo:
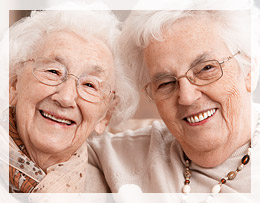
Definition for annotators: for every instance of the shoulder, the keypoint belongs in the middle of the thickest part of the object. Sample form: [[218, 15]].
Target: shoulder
[[130, 156], [157, 130], [142, 143]]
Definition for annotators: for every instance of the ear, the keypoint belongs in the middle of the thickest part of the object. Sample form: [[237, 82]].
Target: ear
[[255, 74], [248, 82], [13, 91], [103, 123]]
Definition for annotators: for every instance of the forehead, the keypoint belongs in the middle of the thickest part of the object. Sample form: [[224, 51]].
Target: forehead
[[185, 41], [77, 54]]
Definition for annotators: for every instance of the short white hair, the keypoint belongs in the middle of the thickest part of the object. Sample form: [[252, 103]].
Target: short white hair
[[26, 34], [234, 26]]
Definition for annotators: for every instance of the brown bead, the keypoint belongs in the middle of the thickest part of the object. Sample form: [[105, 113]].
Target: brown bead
[[22, 166], [60, 164], [80, 175], [187, 174], [40, 172], [245, 159], [20, 160], [36, 173], [34, 169], [223, 181], [68, 185], [27, 162], [186, 182], [231, 175]]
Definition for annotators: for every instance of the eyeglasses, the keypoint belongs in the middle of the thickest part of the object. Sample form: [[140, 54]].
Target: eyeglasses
[[201, 74], [53, 73]]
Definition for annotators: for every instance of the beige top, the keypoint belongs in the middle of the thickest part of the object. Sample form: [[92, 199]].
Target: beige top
[[152, 159]]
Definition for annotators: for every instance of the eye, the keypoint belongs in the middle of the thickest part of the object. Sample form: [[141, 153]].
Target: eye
[[166, 84], [53, 71], [207, 67], [91, 85]]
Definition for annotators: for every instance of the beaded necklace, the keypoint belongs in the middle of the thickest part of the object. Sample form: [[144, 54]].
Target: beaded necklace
[[216, 188], [230, 176]]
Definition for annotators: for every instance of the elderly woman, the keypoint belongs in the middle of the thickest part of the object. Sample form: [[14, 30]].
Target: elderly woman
[[62, 89], [195, 65]]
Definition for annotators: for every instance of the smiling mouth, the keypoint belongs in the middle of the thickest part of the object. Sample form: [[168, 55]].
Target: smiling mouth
[[58, 120], [201, 116]]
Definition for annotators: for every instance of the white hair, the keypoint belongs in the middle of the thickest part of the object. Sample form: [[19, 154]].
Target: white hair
[[234, 26], [26, 34]]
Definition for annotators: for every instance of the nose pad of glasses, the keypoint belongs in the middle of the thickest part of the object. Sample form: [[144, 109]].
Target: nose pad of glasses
[[191, 79], [75, 77]]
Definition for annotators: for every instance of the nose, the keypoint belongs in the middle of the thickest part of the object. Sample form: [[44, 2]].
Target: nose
[[188, 93], [66, 93]]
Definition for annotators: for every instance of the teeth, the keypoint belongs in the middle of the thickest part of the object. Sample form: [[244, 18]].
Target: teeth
[[201, 116], [56, 119]]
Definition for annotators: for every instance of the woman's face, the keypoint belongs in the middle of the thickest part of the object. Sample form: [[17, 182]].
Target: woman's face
[[191, 41], [55, 119]]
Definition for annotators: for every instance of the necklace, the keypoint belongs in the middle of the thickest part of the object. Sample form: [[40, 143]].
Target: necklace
[[216, 188], [230, 176]]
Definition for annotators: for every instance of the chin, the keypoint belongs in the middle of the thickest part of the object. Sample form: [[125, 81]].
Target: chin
[[53, 149], [50, 146], [204, 144]]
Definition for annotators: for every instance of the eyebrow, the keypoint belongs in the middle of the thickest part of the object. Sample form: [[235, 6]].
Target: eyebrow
[[161, 75], [200, 58], [59, 59], [90, 68], [97, 68]]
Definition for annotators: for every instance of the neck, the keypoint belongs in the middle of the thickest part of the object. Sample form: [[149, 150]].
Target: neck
[[214, 158], [45, 160]]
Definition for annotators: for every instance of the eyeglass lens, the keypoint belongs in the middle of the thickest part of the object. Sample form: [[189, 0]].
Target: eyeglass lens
[[52, 73]]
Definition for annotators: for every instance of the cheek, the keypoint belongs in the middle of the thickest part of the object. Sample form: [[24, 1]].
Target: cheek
[[164, 108], [28, 97], [230, 102], [30, 94], [168, 112], [91, 114]]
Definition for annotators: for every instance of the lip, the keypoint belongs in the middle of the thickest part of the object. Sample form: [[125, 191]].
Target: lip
[[58, 117], [203, 121]]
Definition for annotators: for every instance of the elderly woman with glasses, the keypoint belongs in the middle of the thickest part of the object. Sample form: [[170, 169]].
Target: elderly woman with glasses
[[196, 66], [62, 89]]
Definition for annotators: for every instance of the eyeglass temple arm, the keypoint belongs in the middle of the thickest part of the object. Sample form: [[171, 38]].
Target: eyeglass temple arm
[[230, 57]]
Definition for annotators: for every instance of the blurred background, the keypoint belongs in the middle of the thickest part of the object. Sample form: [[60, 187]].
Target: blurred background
[[147, 108]]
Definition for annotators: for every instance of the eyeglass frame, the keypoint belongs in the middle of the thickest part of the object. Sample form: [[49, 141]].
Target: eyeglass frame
[[189, 79], [66, 78]]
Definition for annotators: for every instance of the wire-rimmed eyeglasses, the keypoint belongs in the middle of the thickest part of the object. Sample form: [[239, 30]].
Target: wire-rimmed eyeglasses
[[201, 74], [53, 73]]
